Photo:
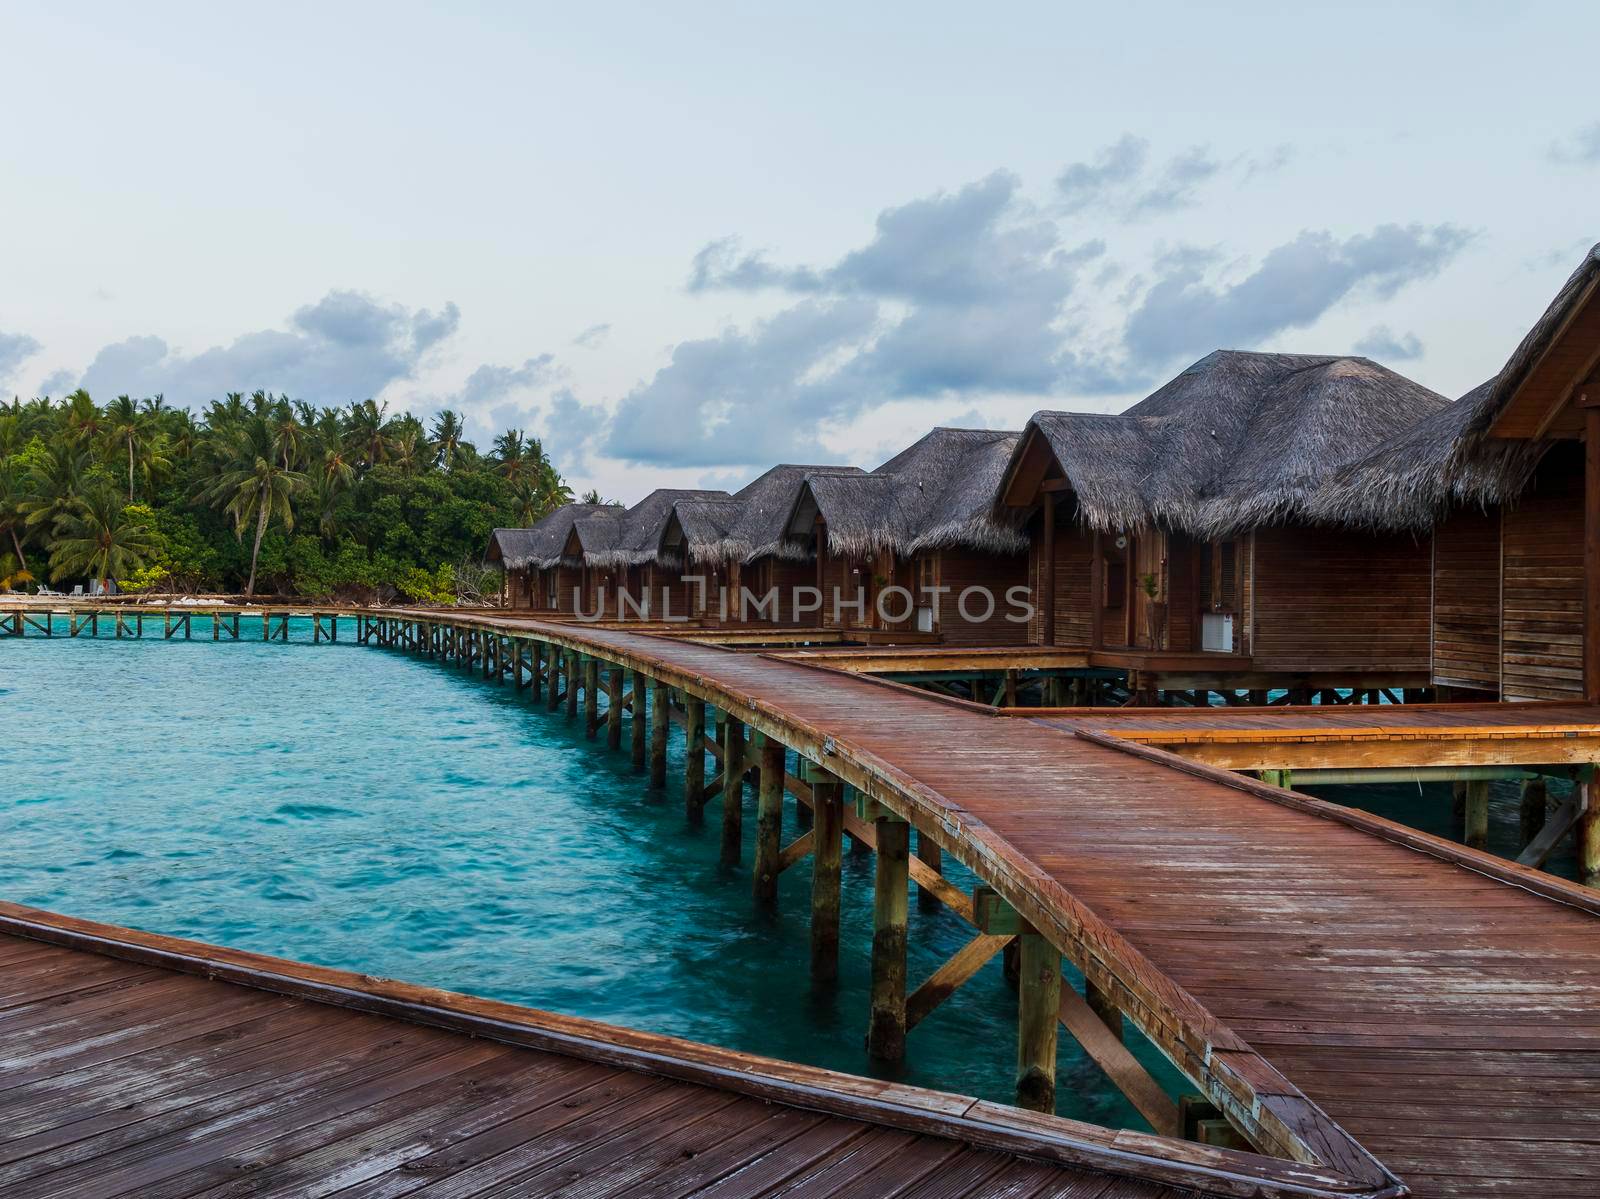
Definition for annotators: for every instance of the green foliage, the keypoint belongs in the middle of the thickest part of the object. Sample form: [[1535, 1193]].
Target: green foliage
[[258, 493]]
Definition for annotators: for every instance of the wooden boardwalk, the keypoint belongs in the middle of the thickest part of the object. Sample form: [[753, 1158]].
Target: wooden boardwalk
[[1319, 976], [143, 1066]]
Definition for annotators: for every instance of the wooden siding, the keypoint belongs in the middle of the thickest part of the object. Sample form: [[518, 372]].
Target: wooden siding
[[1074, 549], [960, 569], [1337, 598], [1466, 601], [1542, 630]]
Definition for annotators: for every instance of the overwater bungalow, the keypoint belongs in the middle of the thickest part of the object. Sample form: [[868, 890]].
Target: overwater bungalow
[[925, 523], [737, 545], [536, 575], [1508, 480], [1178, 534], [625, 575]]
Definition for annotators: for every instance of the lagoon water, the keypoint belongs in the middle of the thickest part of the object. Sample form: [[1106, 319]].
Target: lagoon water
[[369, 810]]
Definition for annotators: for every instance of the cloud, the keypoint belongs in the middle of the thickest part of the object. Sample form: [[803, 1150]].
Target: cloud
[[1386, 346], [571, 431], [15, 348], [1120, 180], [346, 346], [593, 336], [1184, 314], [1581, 149], [956, 294]]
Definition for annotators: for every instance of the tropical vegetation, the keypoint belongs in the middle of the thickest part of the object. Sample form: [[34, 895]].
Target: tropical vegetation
[[257, 494]]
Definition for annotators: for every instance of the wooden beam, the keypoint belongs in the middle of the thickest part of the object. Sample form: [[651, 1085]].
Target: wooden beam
[[1047, 602], [827, 837], [572, 682], [1038, 1006], [948, 978], [1553, 827], [933, 858], [886, 1029], [1588, 836], [1124, 1070], [769, 822], [797, 849]]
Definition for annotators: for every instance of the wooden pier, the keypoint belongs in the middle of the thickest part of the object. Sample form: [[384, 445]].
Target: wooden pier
[[1350, 994], [141, 1066]]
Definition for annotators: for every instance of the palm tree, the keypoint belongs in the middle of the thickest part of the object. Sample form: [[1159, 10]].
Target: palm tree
[[446, 442], [53, 487], [254, 485], [127, 429], [367, 433], [12, 516], [84, 420], [13, 571], [288, 434], [97, 538]]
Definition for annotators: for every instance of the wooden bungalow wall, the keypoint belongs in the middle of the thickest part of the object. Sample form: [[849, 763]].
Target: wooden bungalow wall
[[958, 569], [1542, 585], [1466, 601], [1074, 552], [1334, 598]]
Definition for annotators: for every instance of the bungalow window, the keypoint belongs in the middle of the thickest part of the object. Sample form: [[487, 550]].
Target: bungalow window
[[1219, 578], [1116, 583]]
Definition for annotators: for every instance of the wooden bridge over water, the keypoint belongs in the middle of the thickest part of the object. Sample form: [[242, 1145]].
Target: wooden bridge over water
[[1375, 1003]]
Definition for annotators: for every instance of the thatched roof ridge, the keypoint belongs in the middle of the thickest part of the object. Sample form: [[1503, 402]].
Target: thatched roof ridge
[[1236, 441], [759, 511], [633, 536], [938, 492], [1538, 339], [540, 546]]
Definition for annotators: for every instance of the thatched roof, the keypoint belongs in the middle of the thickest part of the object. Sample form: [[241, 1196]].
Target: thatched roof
[[538, 547], [939, 492], [1236, 441], [1436, 465], [630, 537], [1449, 460], [749, 524]]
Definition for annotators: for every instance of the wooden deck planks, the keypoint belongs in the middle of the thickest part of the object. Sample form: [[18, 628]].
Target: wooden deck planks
[[197, 1087], [1250, 907]]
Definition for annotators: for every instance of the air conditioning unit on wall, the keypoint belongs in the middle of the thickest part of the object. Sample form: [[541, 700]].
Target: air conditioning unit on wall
[[1216, 632]]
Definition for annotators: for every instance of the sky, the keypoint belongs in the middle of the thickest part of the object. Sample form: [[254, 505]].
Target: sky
[[681, 243]]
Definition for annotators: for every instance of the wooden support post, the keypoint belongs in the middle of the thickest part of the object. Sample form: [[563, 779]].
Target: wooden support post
[[826, 846], [574, 677], [1535, 797], [553, 678], [535, 661], [1477, 814], [933, 858], [1589, 401], [641, 718], [613, 707], [733, 768], [769, 821], [660, 718], [886, 1030], [694, 756], [591, 698], [1038, 1012], [1588, 835]]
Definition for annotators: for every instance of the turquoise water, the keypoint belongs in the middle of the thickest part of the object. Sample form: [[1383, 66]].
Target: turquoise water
[[366, 809]]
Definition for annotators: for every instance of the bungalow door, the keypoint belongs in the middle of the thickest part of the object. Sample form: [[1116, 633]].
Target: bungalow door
[[1219, 597], [1115, 584]]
